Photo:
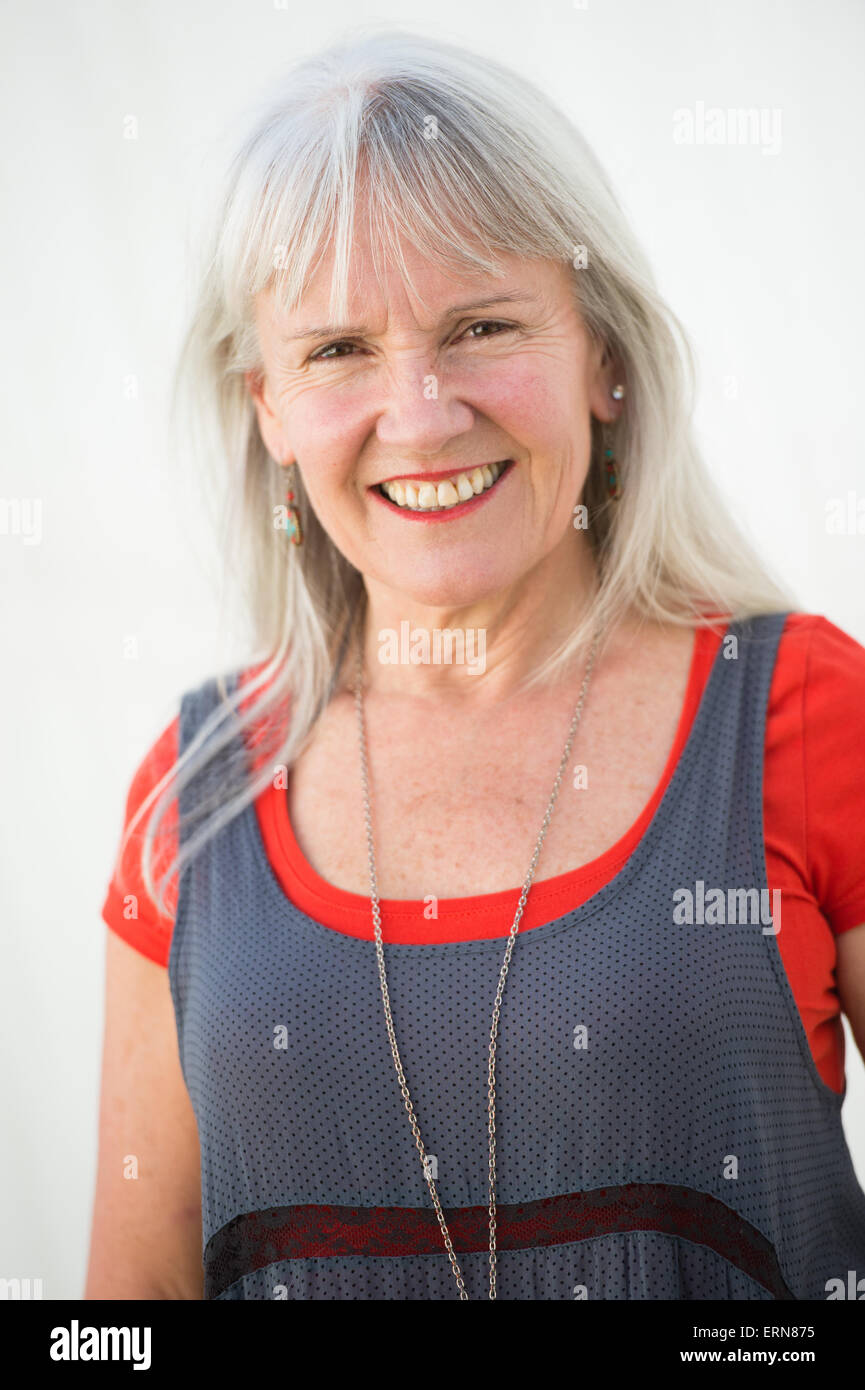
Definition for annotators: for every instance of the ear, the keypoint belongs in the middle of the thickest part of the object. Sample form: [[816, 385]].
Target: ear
[[268, 421], [604, 373]]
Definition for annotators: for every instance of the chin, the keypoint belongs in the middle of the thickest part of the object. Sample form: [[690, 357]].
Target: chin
[[451, 585]]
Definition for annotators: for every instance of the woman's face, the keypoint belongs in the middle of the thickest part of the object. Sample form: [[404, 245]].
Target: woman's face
[[483, 371]]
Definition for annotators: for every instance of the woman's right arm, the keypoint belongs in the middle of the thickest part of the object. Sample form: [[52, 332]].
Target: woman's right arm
[[146, 1232]]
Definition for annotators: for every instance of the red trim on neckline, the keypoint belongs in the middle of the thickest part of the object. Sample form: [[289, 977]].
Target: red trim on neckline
[[484, 915]]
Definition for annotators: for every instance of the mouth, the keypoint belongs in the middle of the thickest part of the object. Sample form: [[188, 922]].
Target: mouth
[[453, 494]]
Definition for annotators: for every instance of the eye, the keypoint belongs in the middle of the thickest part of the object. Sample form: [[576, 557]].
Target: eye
[[322, 354], [489, 323]]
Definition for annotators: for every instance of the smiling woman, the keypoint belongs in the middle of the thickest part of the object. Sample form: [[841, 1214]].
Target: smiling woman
[[519, 1073], [418, 400]]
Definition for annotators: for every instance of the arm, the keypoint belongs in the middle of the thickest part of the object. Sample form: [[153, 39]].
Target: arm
[[146, 1232], [850, 974]]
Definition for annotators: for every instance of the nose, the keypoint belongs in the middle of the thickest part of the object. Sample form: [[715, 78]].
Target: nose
[[420, 413]]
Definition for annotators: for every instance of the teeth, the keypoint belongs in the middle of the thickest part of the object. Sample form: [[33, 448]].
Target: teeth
[[448, 493]]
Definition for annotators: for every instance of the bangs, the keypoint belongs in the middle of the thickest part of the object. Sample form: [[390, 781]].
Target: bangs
[[387, 157]]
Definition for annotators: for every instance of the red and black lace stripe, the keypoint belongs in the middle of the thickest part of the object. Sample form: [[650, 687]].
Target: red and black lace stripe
[[260, 1238]]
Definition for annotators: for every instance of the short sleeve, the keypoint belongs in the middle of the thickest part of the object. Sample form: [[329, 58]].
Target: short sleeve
[[128, 908], [833, 717]]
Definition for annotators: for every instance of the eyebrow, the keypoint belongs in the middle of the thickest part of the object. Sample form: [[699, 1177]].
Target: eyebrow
[[336, 330]]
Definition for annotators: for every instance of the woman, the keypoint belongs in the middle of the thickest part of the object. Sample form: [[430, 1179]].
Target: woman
[[475, 982]]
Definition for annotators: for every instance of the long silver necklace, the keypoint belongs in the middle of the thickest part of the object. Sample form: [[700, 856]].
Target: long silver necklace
[[376, 918]]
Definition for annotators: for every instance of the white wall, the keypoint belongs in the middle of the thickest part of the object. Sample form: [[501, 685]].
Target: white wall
[[759, 253]]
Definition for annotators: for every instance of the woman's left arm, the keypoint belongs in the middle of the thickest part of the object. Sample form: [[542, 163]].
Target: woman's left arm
[[850, 974]]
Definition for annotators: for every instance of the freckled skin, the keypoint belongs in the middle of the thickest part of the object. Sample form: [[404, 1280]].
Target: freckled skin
[[459, 792]]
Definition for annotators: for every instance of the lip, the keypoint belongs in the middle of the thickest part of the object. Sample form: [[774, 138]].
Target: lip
[[436, 477], [446, 513]]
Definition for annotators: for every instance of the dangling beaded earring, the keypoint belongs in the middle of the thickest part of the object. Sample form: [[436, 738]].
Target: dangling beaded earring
[[614, 487], [292, 518]]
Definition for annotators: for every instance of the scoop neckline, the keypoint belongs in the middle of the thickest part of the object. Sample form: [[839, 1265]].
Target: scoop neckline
[[457, 918]]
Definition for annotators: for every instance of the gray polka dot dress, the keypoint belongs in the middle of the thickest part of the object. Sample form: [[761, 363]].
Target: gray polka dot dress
[[662, 1130]]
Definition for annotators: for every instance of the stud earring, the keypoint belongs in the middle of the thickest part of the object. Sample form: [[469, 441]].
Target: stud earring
[[292, 517]]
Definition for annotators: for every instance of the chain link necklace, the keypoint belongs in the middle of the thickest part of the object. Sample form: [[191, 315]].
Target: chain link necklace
[[376, 917]]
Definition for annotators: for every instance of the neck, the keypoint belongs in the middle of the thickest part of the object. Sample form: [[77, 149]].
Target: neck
[[478, 653]]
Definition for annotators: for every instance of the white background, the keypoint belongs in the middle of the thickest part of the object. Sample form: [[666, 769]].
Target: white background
[[759, 254]]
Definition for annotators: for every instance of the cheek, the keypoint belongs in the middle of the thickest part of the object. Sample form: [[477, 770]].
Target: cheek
[[326, 430], [537, 405]]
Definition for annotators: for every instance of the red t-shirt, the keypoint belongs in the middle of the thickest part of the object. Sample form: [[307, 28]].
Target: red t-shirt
[[813, 827]]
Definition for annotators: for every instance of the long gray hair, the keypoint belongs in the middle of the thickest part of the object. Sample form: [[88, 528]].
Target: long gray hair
[[465, 159]]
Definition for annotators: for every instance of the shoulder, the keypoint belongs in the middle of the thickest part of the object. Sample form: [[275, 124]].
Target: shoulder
[[815, 758], [817, 631], [822, 664], [128, 908]]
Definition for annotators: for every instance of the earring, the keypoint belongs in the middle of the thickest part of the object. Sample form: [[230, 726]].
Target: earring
[[292, 517], [614, 487]]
